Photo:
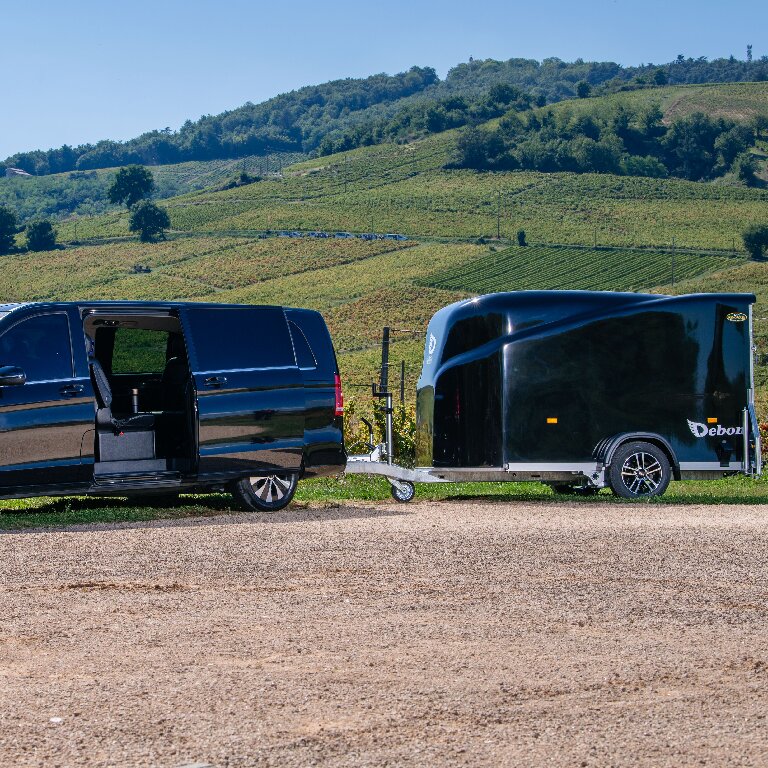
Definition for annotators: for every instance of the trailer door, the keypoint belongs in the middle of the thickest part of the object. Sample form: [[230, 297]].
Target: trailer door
[[250, 397]]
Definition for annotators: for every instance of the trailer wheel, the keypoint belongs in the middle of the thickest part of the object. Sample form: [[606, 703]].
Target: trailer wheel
[[269, 493], [404, 491], [639, 470]]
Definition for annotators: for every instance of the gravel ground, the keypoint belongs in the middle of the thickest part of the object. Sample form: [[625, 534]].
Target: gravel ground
[[454, 633]]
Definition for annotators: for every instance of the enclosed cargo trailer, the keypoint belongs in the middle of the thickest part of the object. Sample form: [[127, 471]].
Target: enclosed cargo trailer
[[583, 389]]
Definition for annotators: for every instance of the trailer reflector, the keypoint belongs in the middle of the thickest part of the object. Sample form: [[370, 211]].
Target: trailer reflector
[[711, 420], [552, 420]]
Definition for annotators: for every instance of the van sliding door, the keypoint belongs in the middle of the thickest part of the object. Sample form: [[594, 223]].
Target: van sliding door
[[249, 389]]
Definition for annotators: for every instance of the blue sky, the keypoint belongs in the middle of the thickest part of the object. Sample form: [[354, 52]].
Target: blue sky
[[83, 70]]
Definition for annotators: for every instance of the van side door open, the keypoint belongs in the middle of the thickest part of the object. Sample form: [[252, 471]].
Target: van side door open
[[250, 395]]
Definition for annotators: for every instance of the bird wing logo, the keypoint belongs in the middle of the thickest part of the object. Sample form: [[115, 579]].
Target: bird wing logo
[[432, 343]]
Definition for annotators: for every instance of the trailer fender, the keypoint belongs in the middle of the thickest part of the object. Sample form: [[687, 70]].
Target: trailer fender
[[606, 448]]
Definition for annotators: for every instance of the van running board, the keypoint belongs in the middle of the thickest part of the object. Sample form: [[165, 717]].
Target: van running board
[[131, 478]]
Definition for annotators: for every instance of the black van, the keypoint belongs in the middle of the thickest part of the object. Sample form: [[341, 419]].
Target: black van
[[124, 398]]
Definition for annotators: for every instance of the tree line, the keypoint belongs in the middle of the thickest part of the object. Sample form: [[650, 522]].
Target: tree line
[[355, 111], [632, 142]]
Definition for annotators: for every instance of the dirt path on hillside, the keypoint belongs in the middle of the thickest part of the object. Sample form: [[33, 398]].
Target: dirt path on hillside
[[445, 634]]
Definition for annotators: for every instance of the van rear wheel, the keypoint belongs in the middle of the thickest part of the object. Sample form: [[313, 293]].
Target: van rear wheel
[[268, 493], [639, 470]]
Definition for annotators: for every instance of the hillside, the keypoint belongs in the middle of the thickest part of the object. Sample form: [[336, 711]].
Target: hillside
[[217, 251], [735, 101], [299, 121], [84, 193]]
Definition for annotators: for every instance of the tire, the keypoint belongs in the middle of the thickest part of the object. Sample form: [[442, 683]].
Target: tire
[[268, 493], [403, 492], [639, 470]]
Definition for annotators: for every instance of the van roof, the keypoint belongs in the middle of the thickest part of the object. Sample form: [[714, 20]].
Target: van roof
[[122, 304]]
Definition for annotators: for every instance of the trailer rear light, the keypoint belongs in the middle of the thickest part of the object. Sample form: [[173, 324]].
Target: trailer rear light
[[552, 420], [339, 395]]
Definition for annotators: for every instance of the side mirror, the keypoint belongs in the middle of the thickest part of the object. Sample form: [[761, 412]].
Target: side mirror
[[12, 376]]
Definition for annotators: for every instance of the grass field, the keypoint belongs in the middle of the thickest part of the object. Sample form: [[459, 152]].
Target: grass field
[[735, 101], [568, 267]]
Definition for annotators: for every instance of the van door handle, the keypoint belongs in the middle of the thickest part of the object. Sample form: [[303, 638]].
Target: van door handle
[[215, 381], [70, 390]]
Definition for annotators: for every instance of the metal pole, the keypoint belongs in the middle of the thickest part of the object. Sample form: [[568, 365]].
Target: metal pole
[[498, 215], [402, 382], [384, 377], [390, 435]]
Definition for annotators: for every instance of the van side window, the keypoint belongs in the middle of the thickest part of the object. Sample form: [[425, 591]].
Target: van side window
[[304, 356], [139, 351], [41, 346], [232, 338]]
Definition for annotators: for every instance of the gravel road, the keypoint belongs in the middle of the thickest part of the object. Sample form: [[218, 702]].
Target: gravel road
[[430, 634]]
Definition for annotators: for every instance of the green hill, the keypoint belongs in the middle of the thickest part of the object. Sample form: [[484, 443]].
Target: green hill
[[735, 101], [596, 231]]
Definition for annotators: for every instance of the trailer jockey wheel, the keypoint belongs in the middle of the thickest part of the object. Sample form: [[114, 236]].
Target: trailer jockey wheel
[[639, 470], [404, 490], [265, 494]]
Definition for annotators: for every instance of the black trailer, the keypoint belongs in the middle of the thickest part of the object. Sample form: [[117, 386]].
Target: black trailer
[[583, 390]]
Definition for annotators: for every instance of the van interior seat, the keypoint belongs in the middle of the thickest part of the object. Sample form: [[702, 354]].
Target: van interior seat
[[104, 415]]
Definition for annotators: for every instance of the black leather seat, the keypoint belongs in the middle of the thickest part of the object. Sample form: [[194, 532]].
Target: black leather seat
[[104, 416]]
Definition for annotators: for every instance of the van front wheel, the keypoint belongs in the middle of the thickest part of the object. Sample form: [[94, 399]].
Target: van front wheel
[[265, 494], [639, 470]]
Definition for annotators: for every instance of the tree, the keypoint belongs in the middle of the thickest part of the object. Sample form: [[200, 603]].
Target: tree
[[760, 124], [521, 237], [149, 220], [755, 240], [131, 184], [583, 89], [8, 229], [41, 236], [745, 168], [660, 77]]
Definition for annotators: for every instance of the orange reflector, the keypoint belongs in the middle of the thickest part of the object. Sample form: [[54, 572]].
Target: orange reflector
[[711, 420], [551, 420]]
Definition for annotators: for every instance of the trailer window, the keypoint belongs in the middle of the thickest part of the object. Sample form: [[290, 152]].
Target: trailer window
[[470, 333]]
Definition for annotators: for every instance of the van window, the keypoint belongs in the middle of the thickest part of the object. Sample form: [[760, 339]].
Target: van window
[[232, 338], [40, 345], [139, 351], [304, 356]]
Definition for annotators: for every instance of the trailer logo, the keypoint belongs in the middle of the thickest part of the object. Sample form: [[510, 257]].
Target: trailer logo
[[702, 430], [431, 347], [736, 317]]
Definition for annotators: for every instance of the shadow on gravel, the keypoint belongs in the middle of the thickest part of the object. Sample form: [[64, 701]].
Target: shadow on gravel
[[88, 514]]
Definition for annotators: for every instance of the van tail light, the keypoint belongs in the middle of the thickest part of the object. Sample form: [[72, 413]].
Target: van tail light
[[339, 395]]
